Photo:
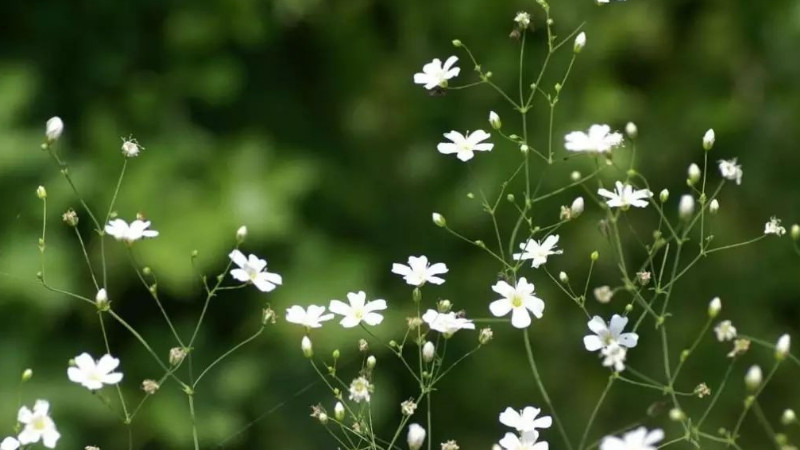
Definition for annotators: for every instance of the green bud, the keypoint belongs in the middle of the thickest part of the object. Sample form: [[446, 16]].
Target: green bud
[[456, 43], [595, 255], [439, 220]]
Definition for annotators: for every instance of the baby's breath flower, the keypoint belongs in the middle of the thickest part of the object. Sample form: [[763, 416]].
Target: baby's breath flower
[[494, 120], [693, 174], [101, 299], [527, 441], [446, 323], [338, 411], [37, 425], [419, 271], [580, 42], [524, 420], [416, 436], [414, 322], [131, 148], [360, 390], [643, 277], [53, 129], [358, 310], [730, 170], [9, 443], [713, 207], [241, 234], [708, 139], [464, 145], [176, 355], [138, 229], [663, 195], [93, 374], [439, 220], [701, 390], [253, 270], [363, 345], [519, 301], [450, 445], [312, 317], [485, 336], [788, 417], [598, 139], [408, 407], [782, 347], [638, 439], [538, 251], [686, 207], [753, 377], [563, 277], [70, 218], [624, 196], [150, 386], [740, 346], [774, 227], [610, 339], [714, 307], [725, 330], [603, 294], [523, 19], [435, 74], [306, 347]]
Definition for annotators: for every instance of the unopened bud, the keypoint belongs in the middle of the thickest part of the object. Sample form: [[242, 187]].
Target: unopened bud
[[371, 361], [241, 234], [580, 42], [676, 415], [53, 129], [416, 436], [524, 148], [795, 233], [631, 130], [485, 336], [663, 196], [101, 299], [439, 220], [444, 306], [336, 354], [575, 175], [338, 411], [494, 120], [428, 351], [788, 417], [456, 43], [563, 277], [694, 174], [595, 255], [753, 378], [714, 307], [713, 207], [27, 374], [323, 418], [686, 207], [41, 192], [576, 208], [708, 139], [305, 345], [782, 347]]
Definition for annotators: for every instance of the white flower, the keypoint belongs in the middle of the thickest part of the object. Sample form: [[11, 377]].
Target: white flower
[[686, 207], [9, 443], [53, 128], [434, 74], [416, 436], [709, 138], [525, 442], [446, 323], [131, 148], [725, 331], [360, 389], [525, 420], [359, 309], [93, 374], [518, 301], [580, 42], [254, 270], [464, 146], [38, 425], [419, 271], [624, 196], [610, 340], [774, 227], [537, 251], [522, 19], [121, 231], [599, 139], [603, 294], [311, 317], [730, 170], [638, 439]]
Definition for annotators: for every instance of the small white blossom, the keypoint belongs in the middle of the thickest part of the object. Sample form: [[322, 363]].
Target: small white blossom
[[464, 145], [610, 339], [339, 411], [725, 331], [624, 196], [131, 148], [576, 208], [311, 317], [774, 227], [614, 356], [53, 128], [102, 297], [252, 269], [138, 229], [93, 374], [525, 420], [241, 234], [416, 436], [528, 441], [419, 271], [598, 139], [523, 19], [446, 323], [9, 443], [434, 74], [788, 417], [730, 170], [360, 389], [37, 425], [603, 294], [519, 301], [638, 439], [537, 251], [358, 310], [580, 42]]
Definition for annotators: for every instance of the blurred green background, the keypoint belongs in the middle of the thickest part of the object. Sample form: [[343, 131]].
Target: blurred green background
[[299, 119]]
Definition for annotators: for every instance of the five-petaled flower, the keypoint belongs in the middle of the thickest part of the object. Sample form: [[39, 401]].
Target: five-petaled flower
[[624, 196], [730, 170], [527, 441], [37, 425], [254, 270], [610, 340], [434, 74], [446, 323], [638, 439], [465, 145], [358, 310], [599, 139], [525, 420], [419, 271], [519, 301], [537, 251], [93, 374], [137, 229], [312, 317]]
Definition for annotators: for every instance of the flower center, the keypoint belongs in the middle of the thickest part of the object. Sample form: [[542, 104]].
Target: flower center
[[39, 423], [516, 301]]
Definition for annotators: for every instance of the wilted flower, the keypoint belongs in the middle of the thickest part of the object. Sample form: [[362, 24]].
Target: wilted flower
[[537, 251], [434, 74], [603, 294], [519, 301], [358, 310], [131, 148], [730, 170], [408, 407], [464, 146], [254, 270], [739, 346], [150, 386], [598, 139], [624, 196], [121, 231], [93, 374], [419, 271], [725, 330], [774, 227]]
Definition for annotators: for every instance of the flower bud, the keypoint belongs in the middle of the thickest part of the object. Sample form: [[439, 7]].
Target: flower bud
[[708, 139], [663, 196], [795, 233], [753, 378], [241, 234], [371, 361], [714, 307], [782, 347], [576, 208], [686, 207], [439, 220], [788, 417], [53, 129], [563, 277], [456, 43], [713, 207], [41, 192], [631, 130], [580, 42], [322, 417], [494, 120], [428, 351], [595, 255], [416, 436], [485, 336], [444, 306], [524, 148], [694, 174], [338, 411], [676, 415], [305, 345], [575, 175], [27, 374], [101, 299]]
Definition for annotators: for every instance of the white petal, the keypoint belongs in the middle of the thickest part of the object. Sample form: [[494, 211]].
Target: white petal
[[520, 318], [592, 342], [500, 308]]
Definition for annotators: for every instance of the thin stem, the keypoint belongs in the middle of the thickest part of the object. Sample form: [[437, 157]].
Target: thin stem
[[225, 355], [595, 411]]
